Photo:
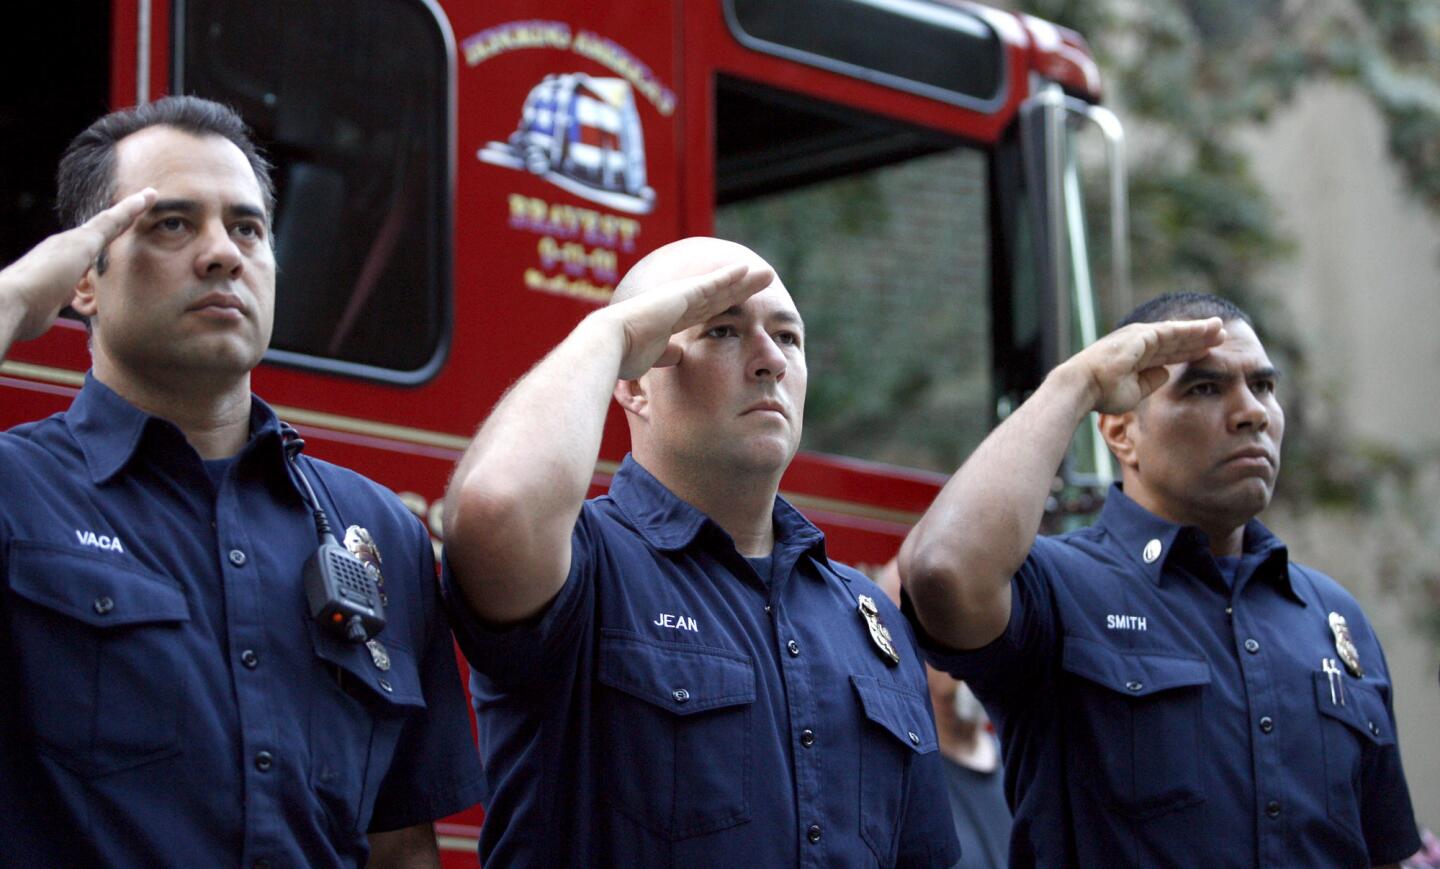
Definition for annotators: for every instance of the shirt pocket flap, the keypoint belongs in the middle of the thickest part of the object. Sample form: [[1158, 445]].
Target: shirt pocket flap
[[388, 671], [101, 592], [1129, 672], [678, 677], [902, 712], [1357, 705]]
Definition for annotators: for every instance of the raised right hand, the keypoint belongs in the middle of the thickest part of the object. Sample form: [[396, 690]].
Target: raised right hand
[[1129, 363], [43, 281], [652, 317]]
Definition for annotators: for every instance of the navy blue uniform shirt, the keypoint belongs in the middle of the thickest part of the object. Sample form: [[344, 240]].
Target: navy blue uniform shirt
[[672, 708], [1152, 715], [167, 699]]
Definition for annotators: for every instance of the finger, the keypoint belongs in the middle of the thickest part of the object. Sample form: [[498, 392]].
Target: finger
[[722, 289], [670, 356], [113, 221], [1152, 379], [1182, 341]]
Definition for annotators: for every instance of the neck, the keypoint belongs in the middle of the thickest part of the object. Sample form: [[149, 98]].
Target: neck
[[1226, 533], [742, 504], [214, 414]]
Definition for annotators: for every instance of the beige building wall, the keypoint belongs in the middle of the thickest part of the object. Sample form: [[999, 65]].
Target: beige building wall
[[1364, 288]]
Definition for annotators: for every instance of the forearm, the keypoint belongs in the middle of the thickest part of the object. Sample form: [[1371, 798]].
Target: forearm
[[410, 848], [958, 560], [520, 485], [12, 315]]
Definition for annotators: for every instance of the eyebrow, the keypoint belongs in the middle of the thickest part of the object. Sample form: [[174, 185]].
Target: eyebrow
[[191, 207], [790, 317], [1195, 374]]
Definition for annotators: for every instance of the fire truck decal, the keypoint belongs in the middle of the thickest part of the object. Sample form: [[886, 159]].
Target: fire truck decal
[[582, 134]]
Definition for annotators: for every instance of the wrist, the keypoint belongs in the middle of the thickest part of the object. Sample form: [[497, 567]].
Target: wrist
[[1074, 380]]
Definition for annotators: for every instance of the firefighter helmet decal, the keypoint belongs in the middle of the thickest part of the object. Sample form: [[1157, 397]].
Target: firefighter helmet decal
[[581, 133]]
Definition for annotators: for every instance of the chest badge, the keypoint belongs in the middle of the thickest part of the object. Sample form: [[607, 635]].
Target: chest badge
[[1345, 646], [379, 654], [361, 545], [879, 634]]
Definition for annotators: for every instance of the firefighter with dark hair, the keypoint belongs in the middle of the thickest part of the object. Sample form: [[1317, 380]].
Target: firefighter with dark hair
[[168, 697], [1170, 688]]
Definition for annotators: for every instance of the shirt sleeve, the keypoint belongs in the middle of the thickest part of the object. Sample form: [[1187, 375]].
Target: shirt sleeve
[[1015, 659], [1387, 818], [515, 655], [436, 770]]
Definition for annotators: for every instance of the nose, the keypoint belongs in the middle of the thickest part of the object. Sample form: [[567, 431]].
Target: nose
[[1250, 413], [768, 360], [218, 255]]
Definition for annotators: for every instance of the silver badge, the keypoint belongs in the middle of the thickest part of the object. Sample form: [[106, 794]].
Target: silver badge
[[1345, 646], [879, 634], [361, 545], [378, 654]]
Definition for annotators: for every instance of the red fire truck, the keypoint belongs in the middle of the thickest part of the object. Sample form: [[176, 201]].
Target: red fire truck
[[459, 183]]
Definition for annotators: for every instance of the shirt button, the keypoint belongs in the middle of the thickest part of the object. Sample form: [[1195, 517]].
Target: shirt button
[[680, 695], [794, 648], [1133, 685], [914, 737], [264, 760], [813, 834], [103, 605], [1252, 645], [1272, 809], [237, 558], [807, 737], [249, 659], [1266, 724], [1374, 728], [386, 686]]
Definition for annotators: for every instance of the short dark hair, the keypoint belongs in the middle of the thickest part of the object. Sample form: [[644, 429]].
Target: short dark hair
[[1186, 306], [85, 181]]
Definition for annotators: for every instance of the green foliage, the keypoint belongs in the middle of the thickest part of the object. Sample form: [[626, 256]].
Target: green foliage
[[1193, 73]]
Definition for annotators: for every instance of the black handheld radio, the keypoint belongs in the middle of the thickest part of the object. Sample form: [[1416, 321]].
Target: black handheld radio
[[344, 596]]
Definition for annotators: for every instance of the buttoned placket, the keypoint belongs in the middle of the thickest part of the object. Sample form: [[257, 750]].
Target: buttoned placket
[[806, 734], [263, 761], [1262, 705]]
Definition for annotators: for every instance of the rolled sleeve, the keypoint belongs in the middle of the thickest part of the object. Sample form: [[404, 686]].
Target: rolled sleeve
[[1014, 659], [515, 655]]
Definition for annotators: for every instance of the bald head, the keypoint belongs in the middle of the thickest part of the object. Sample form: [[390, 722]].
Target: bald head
[[685, 258]]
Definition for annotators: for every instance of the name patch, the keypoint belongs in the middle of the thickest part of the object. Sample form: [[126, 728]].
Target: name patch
[[99, 541], [676, 623], [1124, 623]]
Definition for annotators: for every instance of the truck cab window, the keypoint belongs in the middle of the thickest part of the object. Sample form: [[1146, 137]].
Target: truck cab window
[[354, 110], [881, 232]]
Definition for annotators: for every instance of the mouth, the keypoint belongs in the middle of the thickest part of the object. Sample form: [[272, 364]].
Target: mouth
[[224, 306], [766, 407], [1251, 457]]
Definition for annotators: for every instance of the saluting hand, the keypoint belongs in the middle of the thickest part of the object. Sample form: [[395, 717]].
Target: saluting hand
[[1129, 363], [652, 317], [43, 281]]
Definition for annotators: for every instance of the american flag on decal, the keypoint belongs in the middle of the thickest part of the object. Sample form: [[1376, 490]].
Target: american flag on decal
[[581, 133]]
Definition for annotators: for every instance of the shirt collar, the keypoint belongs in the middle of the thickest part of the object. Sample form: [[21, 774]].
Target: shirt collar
[[1148, 541], [111, 430], [669, 523]]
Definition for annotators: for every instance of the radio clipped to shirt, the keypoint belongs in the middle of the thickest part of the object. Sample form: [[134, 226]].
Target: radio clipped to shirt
[[343, 595]]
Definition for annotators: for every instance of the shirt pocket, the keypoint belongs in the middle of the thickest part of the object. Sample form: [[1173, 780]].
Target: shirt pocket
[[676, 722], [1352, 733], [1136, 730], [98, 644], [355, 722], [899, 729]]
